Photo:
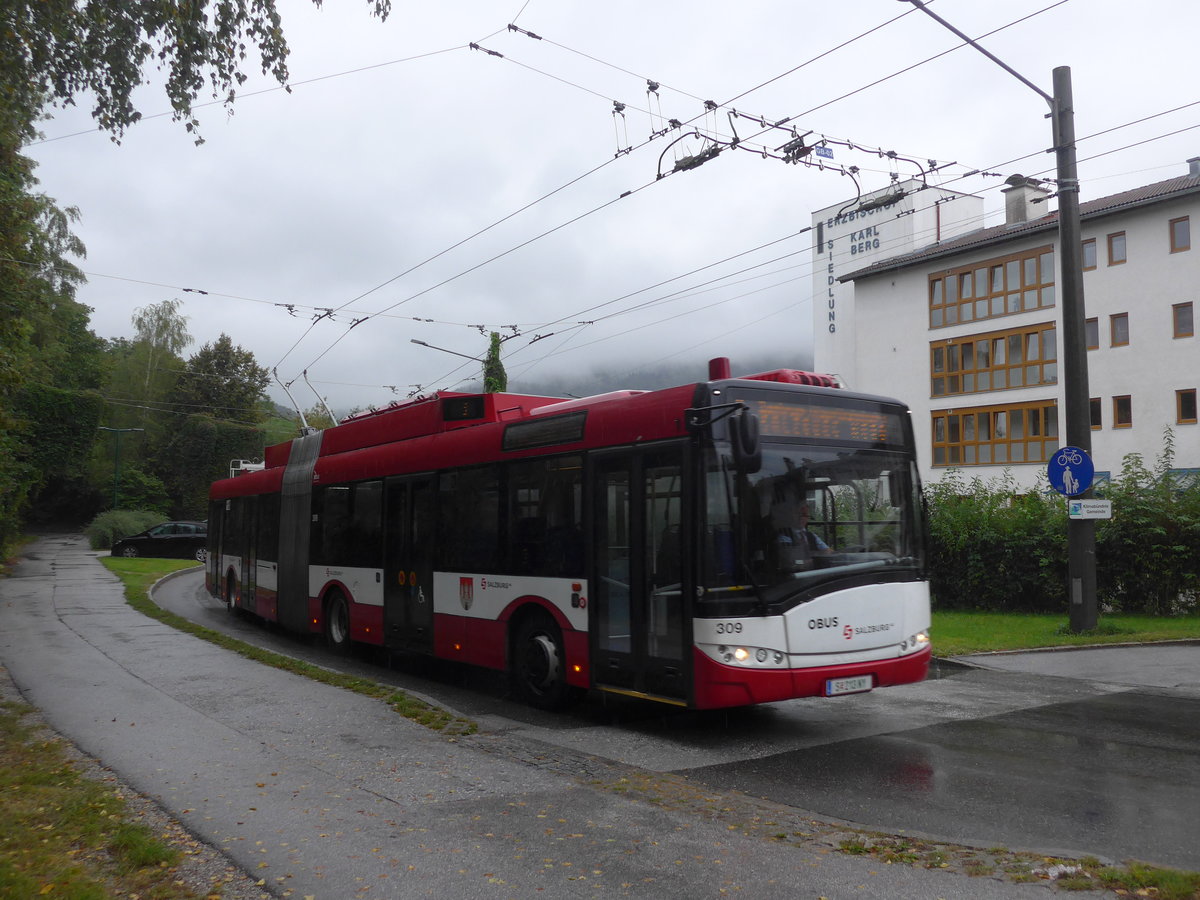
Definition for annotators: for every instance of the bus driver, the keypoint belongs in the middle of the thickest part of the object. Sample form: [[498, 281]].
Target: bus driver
[[797, 544]]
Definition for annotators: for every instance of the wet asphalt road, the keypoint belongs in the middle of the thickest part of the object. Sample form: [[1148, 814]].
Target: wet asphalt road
[[330, 795], [1024, 754]]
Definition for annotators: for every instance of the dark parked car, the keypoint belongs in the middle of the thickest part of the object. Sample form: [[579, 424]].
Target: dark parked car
[[179, 540]]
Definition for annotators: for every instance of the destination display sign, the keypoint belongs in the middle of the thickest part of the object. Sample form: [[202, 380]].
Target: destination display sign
[[827, 423]]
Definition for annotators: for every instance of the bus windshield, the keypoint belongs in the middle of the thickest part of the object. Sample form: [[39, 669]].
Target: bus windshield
[[809, 516]]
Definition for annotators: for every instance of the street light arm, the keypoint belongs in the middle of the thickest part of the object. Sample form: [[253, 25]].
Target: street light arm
[[919, 4], [444, 350]]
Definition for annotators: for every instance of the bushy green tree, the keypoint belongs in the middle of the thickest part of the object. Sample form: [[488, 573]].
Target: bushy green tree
[[53, 51], [141, 374], [160, 332], [49, 360], [224, 380]]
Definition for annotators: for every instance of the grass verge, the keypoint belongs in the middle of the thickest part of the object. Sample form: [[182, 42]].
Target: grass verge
[[959, 633], [139, 575], [64, 835]]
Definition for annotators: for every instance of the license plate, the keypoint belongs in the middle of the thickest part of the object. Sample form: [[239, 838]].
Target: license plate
[[856, 685]]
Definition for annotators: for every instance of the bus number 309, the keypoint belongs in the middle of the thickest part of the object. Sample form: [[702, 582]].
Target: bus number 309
[[729, 628]]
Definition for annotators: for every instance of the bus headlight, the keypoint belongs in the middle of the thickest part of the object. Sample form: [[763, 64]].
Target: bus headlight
[[751, 657], [915, 642]]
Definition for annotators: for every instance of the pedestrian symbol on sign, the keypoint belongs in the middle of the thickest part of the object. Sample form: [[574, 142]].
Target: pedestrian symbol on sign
[[1070, 471]]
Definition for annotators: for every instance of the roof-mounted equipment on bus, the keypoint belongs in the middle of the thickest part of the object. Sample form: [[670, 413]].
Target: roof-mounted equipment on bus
[[242, 466]]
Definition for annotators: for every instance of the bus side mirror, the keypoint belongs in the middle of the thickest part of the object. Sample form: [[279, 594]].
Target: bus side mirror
[[743, 435]]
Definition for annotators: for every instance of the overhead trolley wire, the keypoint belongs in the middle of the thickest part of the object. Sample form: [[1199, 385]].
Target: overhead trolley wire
[[475, 45], [480, 265], [384, 311]]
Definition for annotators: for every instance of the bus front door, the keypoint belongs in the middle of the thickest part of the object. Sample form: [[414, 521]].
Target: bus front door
[[408, 564], [640, 624]]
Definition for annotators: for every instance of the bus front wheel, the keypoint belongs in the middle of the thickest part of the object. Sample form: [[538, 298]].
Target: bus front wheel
[[337, 623], [539, 664]]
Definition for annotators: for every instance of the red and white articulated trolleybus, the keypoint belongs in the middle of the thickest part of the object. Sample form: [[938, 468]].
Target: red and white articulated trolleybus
[[726, 543]]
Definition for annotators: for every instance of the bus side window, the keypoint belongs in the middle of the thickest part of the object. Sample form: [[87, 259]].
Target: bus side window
[[366, 535], [469, 520], [334, 526], [564, 551], [545, 535], [529, 546]]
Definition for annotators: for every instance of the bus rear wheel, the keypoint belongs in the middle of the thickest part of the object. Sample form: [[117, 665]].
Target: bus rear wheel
[[337, 623], [539, 674]]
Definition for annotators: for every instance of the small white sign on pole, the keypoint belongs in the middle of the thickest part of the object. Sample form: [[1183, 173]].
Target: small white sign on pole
[[1089, 509]]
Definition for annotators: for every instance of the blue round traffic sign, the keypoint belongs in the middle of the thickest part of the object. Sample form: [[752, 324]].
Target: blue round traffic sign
[[1070, 471]]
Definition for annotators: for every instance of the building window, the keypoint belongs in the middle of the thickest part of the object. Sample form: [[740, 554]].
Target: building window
[[997, 287], [1091, 331], [1096, 413], [1185, 407], [1181, 234], [995, 361], [1123, 412], [1116, 248], [1119, 329], [995, 435], [1089, 253], [1181, 320]]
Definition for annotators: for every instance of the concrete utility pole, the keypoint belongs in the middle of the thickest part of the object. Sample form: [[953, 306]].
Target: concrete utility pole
[[1081, 533]]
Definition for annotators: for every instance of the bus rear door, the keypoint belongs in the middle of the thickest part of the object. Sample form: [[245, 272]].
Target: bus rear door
[[640, 617]]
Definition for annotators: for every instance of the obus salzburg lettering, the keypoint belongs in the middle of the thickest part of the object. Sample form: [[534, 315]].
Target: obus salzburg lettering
[[862, 240]]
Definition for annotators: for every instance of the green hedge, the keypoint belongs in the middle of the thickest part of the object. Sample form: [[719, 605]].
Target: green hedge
[[993, 547]]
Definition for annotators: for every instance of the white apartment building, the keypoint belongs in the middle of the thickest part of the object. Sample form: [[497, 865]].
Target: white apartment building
[[966, 331], [898, 219]]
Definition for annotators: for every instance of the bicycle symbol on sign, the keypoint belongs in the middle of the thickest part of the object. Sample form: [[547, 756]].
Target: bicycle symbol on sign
[[1069, 457]]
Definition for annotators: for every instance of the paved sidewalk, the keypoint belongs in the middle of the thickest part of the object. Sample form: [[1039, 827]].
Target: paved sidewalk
[[1174, 665], [329, 795]]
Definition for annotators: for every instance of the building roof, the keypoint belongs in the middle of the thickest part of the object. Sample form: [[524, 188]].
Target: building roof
[[1159, 192]]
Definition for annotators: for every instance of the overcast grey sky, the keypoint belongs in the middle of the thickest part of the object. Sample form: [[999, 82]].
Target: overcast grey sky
[[365, 190]]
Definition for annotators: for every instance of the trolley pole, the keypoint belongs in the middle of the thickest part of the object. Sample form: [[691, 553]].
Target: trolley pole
[[1081, 533]]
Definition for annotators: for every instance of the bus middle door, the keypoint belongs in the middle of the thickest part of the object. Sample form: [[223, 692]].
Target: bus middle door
[[249, 551], [408, 563], [640, 615]]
